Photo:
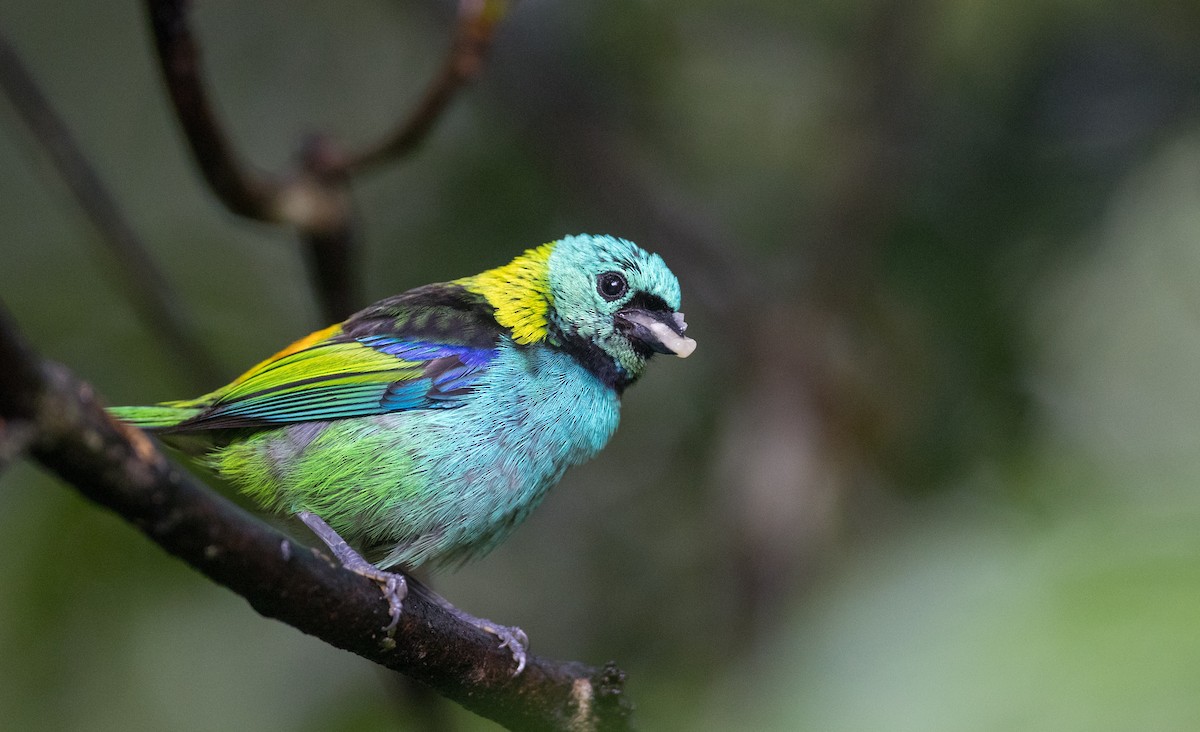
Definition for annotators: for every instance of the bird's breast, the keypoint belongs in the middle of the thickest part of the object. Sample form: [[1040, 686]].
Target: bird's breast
[[536, 413], [485, 465]]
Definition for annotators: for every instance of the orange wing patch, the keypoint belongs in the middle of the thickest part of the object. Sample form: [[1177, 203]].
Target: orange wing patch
[[309, 340]]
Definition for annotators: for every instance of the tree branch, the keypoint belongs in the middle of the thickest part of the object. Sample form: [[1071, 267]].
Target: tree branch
[[119, 467], [244, 191], [139, 277], [314, 198], [477, 20]]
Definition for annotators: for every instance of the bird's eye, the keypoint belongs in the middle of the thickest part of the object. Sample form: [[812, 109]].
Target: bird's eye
[[611, 285]]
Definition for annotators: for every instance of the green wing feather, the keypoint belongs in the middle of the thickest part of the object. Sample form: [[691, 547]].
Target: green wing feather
[[420, 350], [328, 380]]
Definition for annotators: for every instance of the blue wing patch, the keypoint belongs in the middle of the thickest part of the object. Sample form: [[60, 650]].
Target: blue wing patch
[[450, 372]]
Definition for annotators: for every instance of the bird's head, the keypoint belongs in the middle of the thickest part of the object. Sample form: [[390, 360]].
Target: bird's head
[[613, 300], [606, 301]]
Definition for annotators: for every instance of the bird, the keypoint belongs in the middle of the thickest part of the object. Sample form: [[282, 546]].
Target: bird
[[423, 429]]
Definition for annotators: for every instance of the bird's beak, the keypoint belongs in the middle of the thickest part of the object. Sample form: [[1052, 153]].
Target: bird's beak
[[661, 331]]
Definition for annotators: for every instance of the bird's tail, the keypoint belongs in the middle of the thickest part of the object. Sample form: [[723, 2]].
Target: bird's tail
[[158, 417]]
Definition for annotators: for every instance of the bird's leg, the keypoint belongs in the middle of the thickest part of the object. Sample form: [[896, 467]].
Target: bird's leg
[[511, 637], [394, 585]]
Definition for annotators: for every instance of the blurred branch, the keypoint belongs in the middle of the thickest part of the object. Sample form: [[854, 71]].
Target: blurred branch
[[17, 395], [473, 32], [314, 198], [119, 467], [242, 190], [140, 279]]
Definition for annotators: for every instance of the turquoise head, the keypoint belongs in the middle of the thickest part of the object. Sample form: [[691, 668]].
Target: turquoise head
[[613, 305]]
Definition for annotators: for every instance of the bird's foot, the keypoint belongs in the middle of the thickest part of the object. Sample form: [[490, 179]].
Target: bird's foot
[[394, 587], [393, 584], [511, 637]]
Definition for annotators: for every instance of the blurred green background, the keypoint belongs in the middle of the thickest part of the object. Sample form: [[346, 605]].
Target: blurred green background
[[932, 467]]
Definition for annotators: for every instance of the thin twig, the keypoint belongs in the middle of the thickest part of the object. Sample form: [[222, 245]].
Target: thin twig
[[140, 278], [313, 198], [477, 20], [242, 190], [119, 467]]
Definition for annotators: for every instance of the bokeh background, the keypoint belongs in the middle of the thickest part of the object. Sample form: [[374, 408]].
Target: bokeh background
[[933, 466]]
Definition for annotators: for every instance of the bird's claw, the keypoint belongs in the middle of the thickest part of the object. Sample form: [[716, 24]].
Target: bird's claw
[[511, 637], [515, 640], [395, 589], [393, 585]]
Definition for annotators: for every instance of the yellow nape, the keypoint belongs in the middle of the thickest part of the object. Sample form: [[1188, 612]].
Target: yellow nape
[[520, 293]]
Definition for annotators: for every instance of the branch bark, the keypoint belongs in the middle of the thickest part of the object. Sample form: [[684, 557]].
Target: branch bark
[[60, 420]]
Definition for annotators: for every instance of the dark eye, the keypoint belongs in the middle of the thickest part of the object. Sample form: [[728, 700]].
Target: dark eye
[[611, 285]]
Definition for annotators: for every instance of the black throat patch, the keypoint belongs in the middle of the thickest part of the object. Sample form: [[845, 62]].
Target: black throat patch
[[593, 358]]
